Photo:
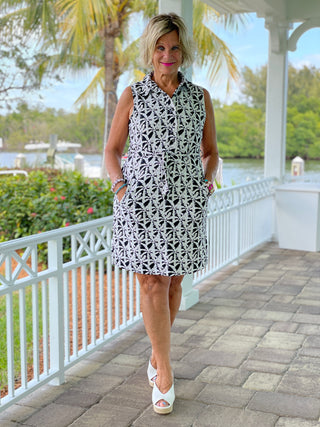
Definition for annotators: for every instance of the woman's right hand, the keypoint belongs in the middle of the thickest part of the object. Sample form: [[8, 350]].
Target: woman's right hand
[[121, 193]]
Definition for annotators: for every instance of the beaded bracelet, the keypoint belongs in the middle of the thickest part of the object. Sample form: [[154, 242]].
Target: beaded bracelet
[[123, 185], [115, 183]]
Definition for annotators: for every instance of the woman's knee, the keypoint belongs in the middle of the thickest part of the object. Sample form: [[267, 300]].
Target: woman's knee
[[175, 285], [151, 284]]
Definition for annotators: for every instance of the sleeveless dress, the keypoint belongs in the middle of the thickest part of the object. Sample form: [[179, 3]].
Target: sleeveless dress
[[159, 226]]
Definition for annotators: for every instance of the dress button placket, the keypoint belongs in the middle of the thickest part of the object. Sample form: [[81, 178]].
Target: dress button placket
[[171, 113]]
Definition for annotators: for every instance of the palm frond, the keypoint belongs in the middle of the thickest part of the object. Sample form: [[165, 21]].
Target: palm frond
[[148, 7], [80, 20], [137, 75], [211, 49], [41, 15], [90, 94], [233, 22], [127, 58]]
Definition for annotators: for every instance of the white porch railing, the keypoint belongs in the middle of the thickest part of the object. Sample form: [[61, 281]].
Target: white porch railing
[[240, 218], [60, 310]]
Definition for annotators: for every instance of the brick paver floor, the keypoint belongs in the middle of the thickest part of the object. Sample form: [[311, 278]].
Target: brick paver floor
[[247, 355]]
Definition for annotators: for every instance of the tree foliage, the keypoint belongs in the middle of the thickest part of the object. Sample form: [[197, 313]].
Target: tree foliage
[[303, 83], [240, 131], [19, 127], [18, 76], [21, 70], [303, 111], [253, 87]]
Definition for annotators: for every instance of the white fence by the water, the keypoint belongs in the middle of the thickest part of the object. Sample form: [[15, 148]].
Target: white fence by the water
[[62, 299]]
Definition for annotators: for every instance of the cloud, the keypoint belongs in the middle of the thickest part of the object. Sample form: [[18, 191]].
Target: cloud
[[307, 61]]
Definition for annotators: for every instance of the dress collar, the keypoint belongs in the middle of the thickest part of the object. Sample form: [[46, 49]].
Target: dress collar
[[150, 84]]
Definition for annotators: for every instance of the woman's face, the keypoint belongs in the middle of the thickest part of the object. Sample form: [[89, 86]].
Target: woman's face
[[167, 56]]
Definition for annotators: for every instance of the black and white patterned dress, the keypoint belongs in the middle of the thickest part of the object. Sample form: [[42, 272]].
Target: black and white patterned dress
[[159, 226]]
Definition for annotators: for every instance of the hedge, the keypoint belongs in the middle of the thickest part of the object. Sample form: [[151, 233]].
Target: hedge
[[49, 199]]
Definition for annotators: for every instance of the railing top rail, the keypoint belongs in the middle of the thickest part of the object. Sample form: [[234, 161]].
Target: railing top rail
[[249, 184], [54, 234]]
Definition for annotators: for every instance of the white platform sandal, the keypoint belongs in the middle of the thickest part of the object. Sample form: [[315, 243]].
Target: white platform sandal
[[168, 397], [152, 374]]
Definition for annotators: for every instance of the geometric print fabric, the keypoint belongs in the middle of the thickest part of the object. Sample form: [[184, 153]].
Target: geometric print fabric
[[159, 226]]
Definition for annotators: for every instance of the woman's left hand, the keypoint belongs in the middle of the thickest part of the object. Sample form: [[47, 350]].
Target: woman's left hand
[[210, 187]]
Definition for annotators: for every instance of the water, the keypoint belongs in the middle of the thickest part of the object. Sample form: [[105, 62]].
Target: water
[[240, 171], [235, 171]]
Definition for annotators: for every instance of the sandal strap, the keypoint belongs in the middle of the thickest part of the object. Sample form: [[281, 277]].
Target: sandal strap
[[151, 372], [168, 397]]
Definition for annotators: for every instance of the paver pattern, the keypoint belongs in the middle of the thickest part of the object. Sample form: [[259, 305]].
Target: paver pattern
[[247, 355]]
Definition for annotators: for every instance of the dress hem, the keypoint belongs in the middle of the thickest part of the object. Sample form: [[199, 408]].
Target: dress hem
[[161, 273]]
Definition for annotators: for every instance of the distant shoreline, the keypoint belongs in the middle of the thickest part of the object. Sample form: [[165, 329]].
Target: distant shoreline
[[235, 171], [92, 151]]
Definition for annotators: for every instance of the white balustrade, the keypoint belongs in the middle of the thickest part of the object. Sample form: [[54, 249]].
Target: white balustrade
[[240, 218], [59, 311]]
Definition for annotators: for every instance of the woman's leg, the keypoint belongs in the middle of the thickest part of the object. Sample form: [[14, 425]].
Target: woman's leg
[[154, 292], [175, 293]]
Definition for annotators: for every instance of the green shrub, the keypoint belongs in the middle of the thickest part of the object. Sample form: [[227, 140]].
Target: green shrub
[[49, 199]]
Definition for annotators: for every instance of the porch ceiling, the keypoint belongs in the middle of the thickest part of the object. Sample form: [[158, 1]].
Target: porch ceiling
[[284, 10]]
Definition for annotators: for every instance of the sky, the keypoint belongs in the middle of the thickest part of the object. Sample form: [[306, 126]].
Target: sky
[[249, 45]]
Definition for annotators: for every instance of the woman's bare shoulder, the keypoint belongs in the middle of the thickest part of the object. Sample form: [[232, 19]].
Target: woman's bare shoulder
[[207, 95], [207, 100], [125, 103], [126, 95]]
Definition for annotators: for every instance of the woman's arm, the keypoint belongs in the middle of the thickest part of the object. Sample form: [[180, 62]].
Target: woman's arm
[[210, 155], [117, 139]]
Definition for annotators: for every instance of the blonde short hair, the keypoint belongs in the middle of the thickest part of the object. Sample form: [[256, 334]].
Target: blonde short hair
[[157, 27]]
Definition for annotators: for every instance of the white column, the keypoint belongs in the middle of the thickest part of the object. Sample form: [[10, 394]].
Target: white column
[[190, 296], [183, 8], [276, 100]]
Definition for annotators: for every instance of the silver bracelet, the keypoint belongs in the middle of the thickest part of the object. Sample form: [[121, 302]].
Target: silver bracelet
[[115, 183]]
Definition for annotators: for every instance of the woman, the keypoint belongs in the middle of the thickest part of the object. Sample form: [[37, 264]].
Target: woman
[[161, 192]]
